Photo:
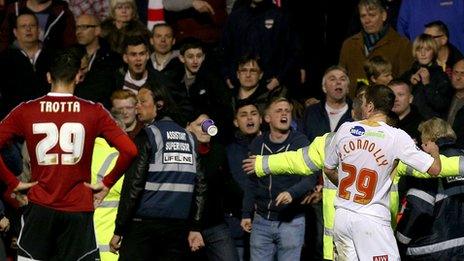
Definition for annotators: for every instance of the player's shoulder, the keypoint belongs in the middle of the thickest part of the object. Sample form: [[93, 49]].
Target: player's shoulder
[[94, 107], [88, 102]]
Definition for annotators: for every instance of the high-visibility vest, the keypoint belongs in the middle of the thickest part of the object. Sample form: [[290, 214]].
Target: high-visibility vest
[[103, 160]]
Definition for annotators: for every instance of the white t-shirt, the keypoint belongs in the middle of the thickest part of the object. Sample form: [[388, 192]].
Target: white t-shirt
[[335, 115], [364, 153]]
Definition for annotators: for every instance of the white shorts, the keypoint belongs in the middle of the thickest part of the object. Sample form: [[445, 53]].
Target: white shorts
[[358, 237]]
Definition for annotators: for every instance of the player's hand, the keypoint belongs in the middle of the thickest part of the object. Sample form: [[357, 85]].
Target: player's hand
[[4, 224], [202, 6], [314, 196], [246, 224], [284, 198], [195, 240], [248, 165], [431, 148], [99, 192], [115, 244], [24, 185], [21, 198]]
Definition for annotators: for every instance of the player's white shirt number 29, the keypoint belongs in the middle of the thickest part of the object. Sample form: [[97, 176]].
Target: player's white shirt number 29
[[70, 137]]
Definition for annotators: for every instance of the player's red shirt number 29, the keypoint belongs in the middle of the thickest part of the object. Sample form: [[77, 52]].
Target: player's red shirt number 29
[[70, 137]]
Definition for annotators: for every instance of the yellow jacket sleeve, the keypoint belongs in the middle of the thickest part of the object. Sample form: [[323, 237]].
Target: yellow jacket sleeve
[[304, 161], [450, 166]]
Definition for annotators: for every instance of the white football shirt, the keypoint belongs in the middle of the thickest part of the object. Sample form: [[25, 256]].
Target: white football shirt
[[364, 153]]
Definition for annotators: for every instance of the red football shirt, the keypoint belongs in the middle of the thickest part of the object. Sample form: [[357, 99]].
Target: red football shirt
[[60, 130]]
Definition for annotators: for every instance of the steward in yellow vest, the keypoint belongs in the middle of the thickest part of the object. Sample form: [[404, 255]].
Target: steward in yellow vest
[[103, 160]]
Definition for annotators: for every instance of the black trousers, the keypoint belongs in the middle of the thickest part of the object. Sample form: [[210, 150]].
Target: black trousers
[[155, 239]]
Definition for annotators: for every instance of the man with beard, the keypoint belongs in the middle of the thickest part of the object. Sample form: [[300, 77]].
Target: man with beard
[[274, 203]]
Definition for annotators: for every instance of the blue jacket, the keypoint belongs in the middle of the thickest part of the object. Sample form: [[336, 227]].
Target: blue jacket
[[316, 120], [262, 192], [413, 15]]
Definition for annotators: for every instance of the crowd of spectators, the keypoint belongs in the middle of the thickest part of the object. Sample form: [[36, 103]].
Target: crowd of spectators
[[269, 84]]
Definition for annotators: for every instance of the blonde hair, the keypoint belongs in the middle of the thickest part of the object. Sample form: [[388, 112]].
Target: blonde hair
[[424, 40], [435, 128], [114, 3]]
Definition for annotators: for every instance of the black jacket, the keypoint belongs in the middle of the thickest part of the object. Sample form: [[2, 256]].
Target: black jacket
[[21, 80], [134, 185], [214, 165], [100, 80], [410, 123], [433, 99], [433, 216], [208, 94]]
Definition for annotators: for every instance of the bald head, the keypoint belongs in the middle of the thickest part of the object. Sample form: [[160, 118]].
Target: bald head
[[457, 78], [87, 29]]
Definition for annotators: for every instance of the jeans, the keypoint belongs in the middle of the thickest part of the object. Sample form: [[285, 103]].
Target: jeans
[[219, 244], [240, 237], [271, 237]]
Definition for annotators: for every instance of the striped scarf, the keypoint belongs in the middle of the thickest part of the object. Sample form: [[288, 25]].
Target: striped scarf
[[155, 13], [370, 40]]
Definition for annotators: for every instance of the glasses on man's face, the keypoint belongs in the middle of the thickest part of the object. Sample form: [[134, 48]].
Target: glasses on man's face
[[85, 26], [248, 70]]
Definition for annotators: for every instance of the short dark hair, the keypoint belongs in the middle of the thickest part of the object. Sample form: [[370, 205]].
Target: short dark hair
[[158, 25], [26, 12], [396, 82], [242, 103], [440, 25], [247, 58], [65, 65], [134, 41], [381, 97], [190, 43]]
